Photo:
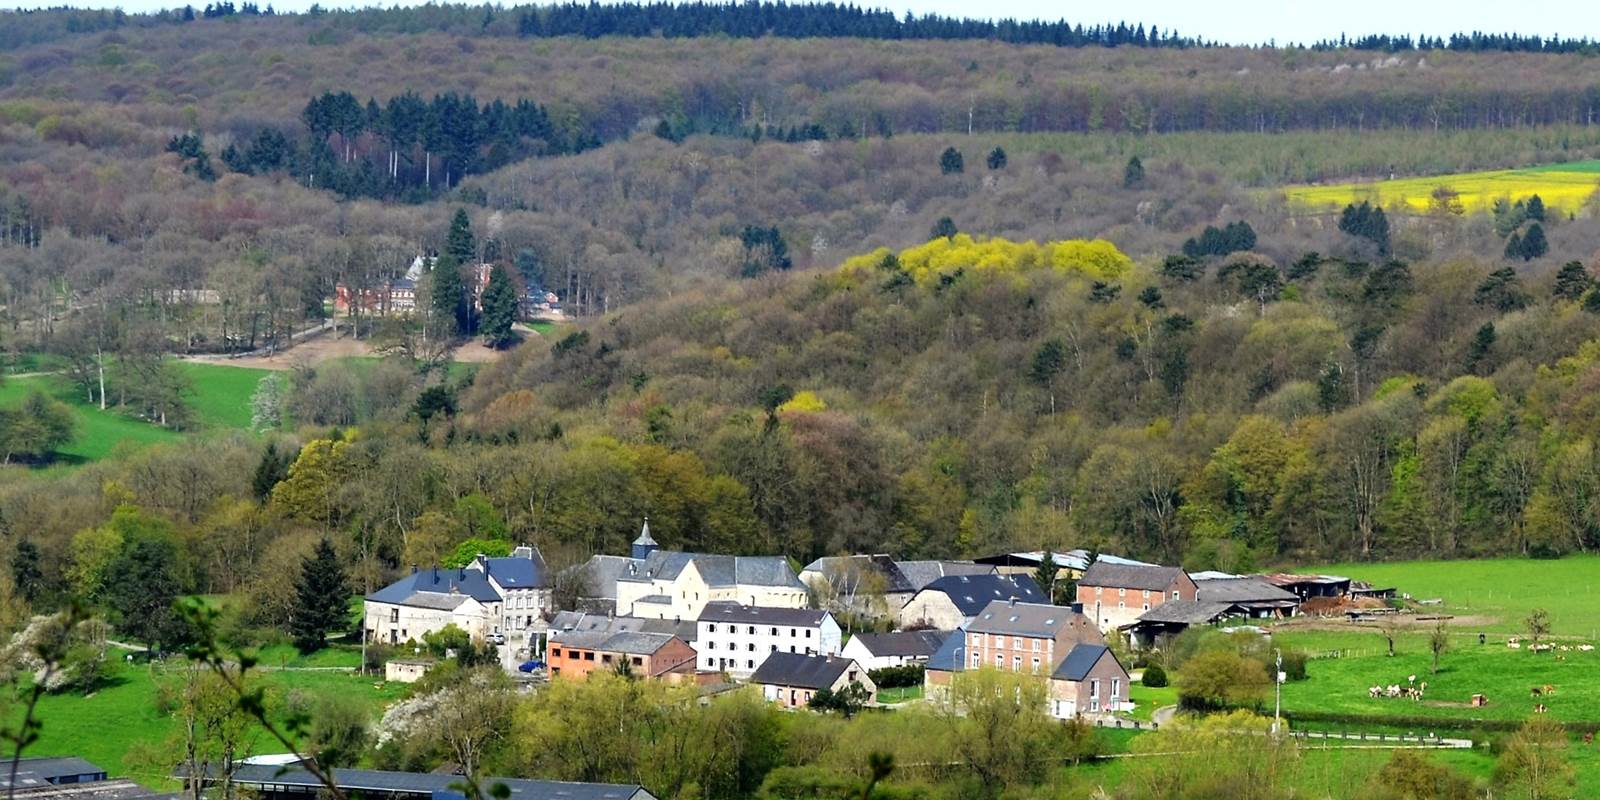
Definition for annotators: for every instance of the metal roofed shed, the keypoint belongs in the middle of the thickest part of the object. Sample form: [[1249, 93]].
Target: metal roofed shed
[[279, 783]]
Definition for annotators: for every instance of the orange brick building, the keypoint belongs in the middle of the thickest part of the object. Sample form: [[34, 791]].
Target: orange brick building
[[572, 655]]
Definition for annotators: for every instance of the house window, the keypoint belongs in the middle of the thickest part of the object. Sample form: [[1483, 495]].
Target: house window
[[999, 659], [751, 647], [793, 632], [792, 649], [587, 656], [394, 615], [1122, 592], [752, 630], [605, 659], [1116, 689], [638, 662], [975, 661], [1035, 663], [555, 652], [852, 676], [1016, 663], [711, 628], [774, 649], [1036, 646], [774, 631], [1147, 606], [808, 633], [710, 645], [749, 664], [1121, 605], [1175, 594], [1016, 642]]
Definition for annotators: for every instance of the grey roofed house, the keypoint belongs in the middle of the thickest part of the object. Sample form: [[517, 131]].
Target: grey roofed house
[[903, 644], [640, 643], [1077, 560], [970, 593], [725, 611], [277, 782], [580, 621], [523, 569], [601, 572], [1129, 576], [801, 671], [952, 655], [894, 581], [1082, 658], [1025, 619], [416, 588], [715, 570], [921, 573]]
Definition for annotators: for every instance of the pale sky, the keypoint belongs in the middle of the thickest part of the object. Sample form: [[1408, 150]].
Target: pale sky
[[1234, 21]]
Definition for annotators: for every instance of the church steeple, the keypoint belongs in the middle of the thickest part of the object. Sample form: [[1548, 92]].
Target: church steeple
[[644, 545]]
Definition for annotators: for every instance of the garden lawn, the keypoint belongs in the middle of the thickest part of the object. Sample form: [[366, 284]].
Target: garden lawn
[[1505, 676], [122, 716], [1561, 186], [1504, 588], [1146, 700], [902, 694]]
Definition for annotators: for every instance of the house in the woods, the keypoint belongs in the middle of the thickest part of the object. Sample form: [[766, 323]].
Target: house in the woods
[[488, 597], [792, 679], [897, 649], [1026, 637], [921, 573], [1089, 680], [1115, 595], [951, 602], [666, 584], [738, 639], [572, 655], [862, 586]]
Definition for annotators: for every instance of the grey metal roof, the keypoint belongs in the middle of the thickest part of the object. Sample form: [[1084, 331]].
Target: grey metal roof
[[523, 569], [905, 644], [420, 783], [1027, 619], [970, 593], [469, 582], [952, 655], [1129, 576], [724, 611], [894, 581], [1189, 612], [1242, 590], [632, 642], [41, 772], [1082, 658], [580, 621], [645, 539], [435, 600], [109, 789], [800, 670], [921, 573]]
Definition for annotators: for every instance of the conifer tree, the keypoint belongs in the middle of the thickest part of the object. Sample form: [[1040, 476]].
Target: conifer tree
[[1533, 243], [950, 161], [1572, 281], [447, 297], [25, 572], [499, 308], [997, 158], [1133, 173], [320, 600], [460, 244]]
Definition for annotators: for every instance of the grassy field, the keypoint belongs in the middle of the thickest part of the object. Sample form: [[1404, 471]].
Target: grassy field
[[222, 393], [1505, 589], [1563, 186], [122, 717]]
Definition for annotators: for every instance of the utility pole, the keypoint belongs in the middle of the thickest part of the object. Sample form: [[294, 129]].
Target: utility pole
[[1277, 692]]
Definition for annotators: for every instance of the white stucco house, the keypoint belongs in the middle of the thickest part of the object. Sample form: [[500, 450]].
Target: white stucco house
[[489, 597], [737, 639]]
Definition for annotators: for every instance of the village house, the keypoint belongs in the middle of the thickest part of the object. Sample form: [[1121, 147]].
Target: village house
[[867, 586], [488, 599], [582, 621], [792, 679], [1026, 637], [1115, 595], [572, 655], [951, 602], [738, 639], [1090, 680], [665, 584], [921, 573], [942, 666], [897, 649]]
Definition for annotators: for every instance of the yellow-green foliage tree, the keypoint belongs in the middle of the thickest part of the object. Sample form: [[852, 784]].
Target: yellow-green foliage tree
[[1227, 755], [926, 263]]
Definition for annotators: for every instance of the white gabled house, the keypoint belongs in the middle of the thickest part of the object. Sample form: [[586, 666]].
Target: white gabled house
[[737, 639], [489, 597]]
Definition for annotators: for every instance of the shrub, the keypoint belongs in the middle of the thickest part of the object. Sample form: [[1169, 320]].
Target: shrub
[[896, 677], [1294, 666], [1154, 677]]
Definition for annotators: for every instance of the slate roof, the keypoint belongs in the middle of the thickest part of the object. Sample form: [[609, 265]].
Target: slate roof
[[1026, 619], [1129, 576], [635, 642], [604, 571], [1082, 658], [906, 644], [1188, 612], [375, 782], [1243, 590], [802, 671], [580, 621], [717, 570], [894, 581], [921, 573], [724, 611], [469, 582], [952, 655], [524, 569], [970, 593], [34, 772]]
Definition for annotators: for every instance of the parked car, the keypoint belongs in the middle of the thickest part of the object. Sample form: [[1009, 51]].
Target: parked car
[[529, 666], [495, 638]]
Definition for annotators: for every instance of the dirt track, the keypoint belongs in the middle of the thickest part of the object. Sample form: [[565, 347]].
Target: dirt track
[[326, 347]]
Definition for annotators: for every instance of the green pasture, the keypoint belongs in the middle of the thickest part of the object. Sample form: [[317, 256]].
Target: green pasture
[[118, 725], [1504, 589]]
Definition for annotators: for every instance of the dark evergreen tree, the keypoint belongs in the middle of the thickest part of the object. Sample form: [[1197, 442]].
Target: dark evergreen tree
[[997, 158], [447, 297], [1514, 247], [499, 308], [1048, 362], [1045, 575], [1150, 296], [459, 243], [321, 599], [141, 588], [945, 228], [1535, 208], [434, 401], [764, 250], [270, 471], [1482, 344], [1133, 173], [1502, 291], [26, 577], [950, 161], [1572, 281], [1533, 243], [1213, 241], [1368, 222], [1103, 293]]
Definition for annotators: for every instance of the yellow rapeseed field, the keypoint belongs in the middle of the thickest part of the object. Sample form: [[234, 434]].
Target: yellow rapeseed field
[[1562, 186]]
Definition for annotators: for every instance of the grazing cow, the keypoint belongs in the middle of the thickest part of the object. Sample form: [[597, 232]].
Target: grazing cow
[[1374, 692], [1514, 645], [1411, 679], [1585, 647], [1588, 738], [1536, 691], [1540, 708], [1548, 689]]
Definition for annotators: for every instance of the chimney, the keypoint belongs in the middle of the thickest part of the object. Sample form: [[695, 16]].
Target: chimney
[[1012, 602], [461, 573]]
